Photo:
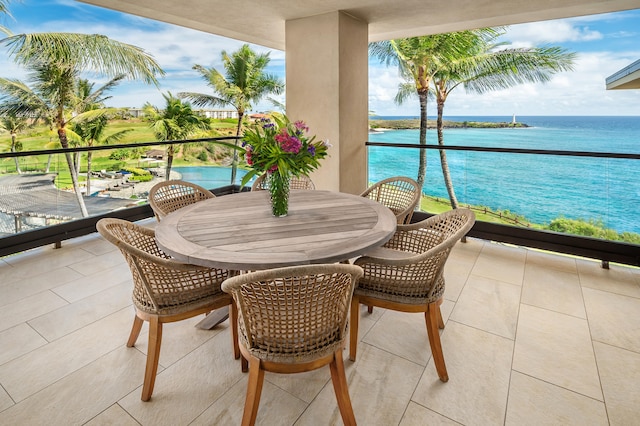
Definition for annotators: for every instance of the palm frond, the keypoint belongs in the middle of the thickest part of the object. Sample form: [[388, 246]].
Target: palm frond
[[87, 52]]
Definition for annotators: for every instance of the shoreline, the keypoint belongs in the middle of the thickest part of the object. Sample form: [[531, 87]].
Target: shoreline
[[410, 124]]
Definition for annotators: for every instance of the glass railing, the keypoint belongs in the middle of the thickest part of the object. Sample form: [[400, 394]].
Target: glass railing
[[37, 190], [535, 198], [585, 194]]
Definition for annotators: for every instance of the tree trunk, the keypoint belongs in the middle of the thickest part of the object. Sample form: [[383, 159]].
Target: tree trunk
[[422, 167], [72, 170], [13, 149], [443, 159], [167, 169], [89, 172], [48, 163], [234, 163]]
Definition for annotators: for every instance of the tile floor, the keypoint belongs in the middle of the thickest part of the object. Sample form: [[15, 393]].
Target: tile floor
[[530, 338]]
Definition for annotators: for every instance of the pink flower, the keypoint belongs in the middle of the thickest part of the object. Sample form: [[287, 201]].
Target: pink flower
[[299, 125], [288, 143]]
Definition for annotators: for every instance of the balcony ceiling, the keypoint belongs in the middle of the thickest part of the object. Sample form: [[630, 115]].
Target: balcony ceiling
[[262, 22]]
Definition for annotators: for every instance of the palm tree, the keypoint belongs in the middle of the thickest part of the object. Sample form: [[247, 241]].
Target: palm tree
[[245, 83], [55, 62], [487, 66], [436, 64], [418, 59], [177, 121], [14, 125], [91, 118]]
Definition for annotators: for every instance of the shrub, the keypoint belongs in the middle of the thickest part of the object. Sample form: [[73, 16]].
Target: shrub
[[591, 228]]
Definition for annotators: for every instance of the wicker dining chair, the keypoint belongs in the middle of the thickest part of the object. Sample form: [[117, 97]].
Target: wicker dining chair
[[296, 182], [164, 290], [171, 195], [401, 194], [406, 275], [292, 320]]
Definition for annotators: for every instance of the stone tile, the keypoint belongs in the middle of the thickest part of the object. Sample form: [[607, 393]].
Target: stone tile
[[390, 378], [76, 315], [277, 407], [553, 289], [618, 279], [472, 247], [556, 348], [548, 260], [5, 400], [412, 343], [38, 369], [417, 415], [479, 366], [305, 386], [44, 259], [620, 377], [187, 388], [489, 305], [95, 283], [18, 341], [181, 337], [456, 273], [98, 246], [534, 402], [29, 286], [501, 263], [100, 263], [614, 319], [81, 395], [29, 308], [113, 416]]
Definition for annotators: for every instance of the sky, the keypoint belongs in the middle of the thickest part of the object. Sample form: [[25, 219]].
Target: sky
[[604, 43]]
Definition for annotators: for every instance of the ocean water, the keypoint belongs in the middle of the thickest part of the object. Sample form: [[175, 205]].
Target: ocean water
[[539, 187]]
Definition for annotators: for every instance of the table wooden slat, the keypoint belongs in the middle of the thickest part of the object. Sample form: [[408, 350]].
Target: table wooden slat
[[239, 232]]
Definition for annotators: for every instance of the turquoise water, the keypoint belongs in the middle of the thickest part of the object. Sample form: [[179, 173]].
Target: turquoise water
[[538, 187], [209, 177]]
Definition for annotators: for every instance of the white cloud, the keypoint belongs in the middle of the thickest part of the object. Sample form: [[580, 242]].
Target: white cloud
[[549, 32]]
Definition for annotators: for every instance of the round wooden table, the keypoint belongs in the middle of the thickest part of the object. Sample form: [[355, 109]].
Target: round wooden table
[[238, 231]]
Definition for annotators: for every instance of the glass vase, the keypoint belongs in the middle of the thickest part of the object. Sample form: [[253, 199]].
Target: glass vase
[[279, 190]]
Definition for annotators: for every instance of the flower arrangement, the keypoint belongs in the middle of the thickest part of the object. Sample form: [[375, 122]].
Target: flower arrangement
[[281, 149], [277, 145]]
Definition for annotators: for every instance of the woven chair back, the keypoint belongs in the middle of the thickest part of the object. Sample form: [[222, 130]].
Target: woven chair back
[[161, 285], [168, 196], [418, 277], [295, 314], [296, 182], [401, 194]]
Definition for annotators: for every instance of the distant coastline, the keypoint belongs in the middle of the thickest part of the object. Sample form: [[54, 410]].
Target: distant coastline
[[410, 123]]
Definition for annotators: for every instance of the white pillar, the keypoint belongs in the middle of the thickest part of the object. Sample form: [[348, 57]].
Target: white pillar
[[327, 87]]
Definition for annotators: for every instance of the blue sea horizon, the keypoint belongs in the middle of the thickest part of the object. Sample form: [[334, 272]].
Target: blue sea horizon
[[540, 188]]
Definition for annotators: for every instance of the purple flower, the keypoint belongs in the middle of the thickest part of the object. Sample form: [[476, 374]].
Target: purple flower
[[311, 150]]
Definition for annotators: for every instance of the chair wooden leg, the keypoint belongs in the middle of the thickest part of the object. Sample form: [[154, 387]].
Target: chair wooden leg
[[353, 327], [233, 323], [135, 331], [341, 389], [153, 356], [440, 320], [254, 390], [244, 364], [370, 309], [431, 317]]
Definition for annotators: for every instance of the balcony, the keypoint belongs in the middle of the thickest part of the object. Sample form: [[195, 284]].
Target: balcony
[[530, 338]]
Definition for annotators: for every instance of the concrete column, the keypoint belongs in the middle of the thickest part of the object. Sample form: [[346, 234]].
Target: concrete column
[[327, 87]]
